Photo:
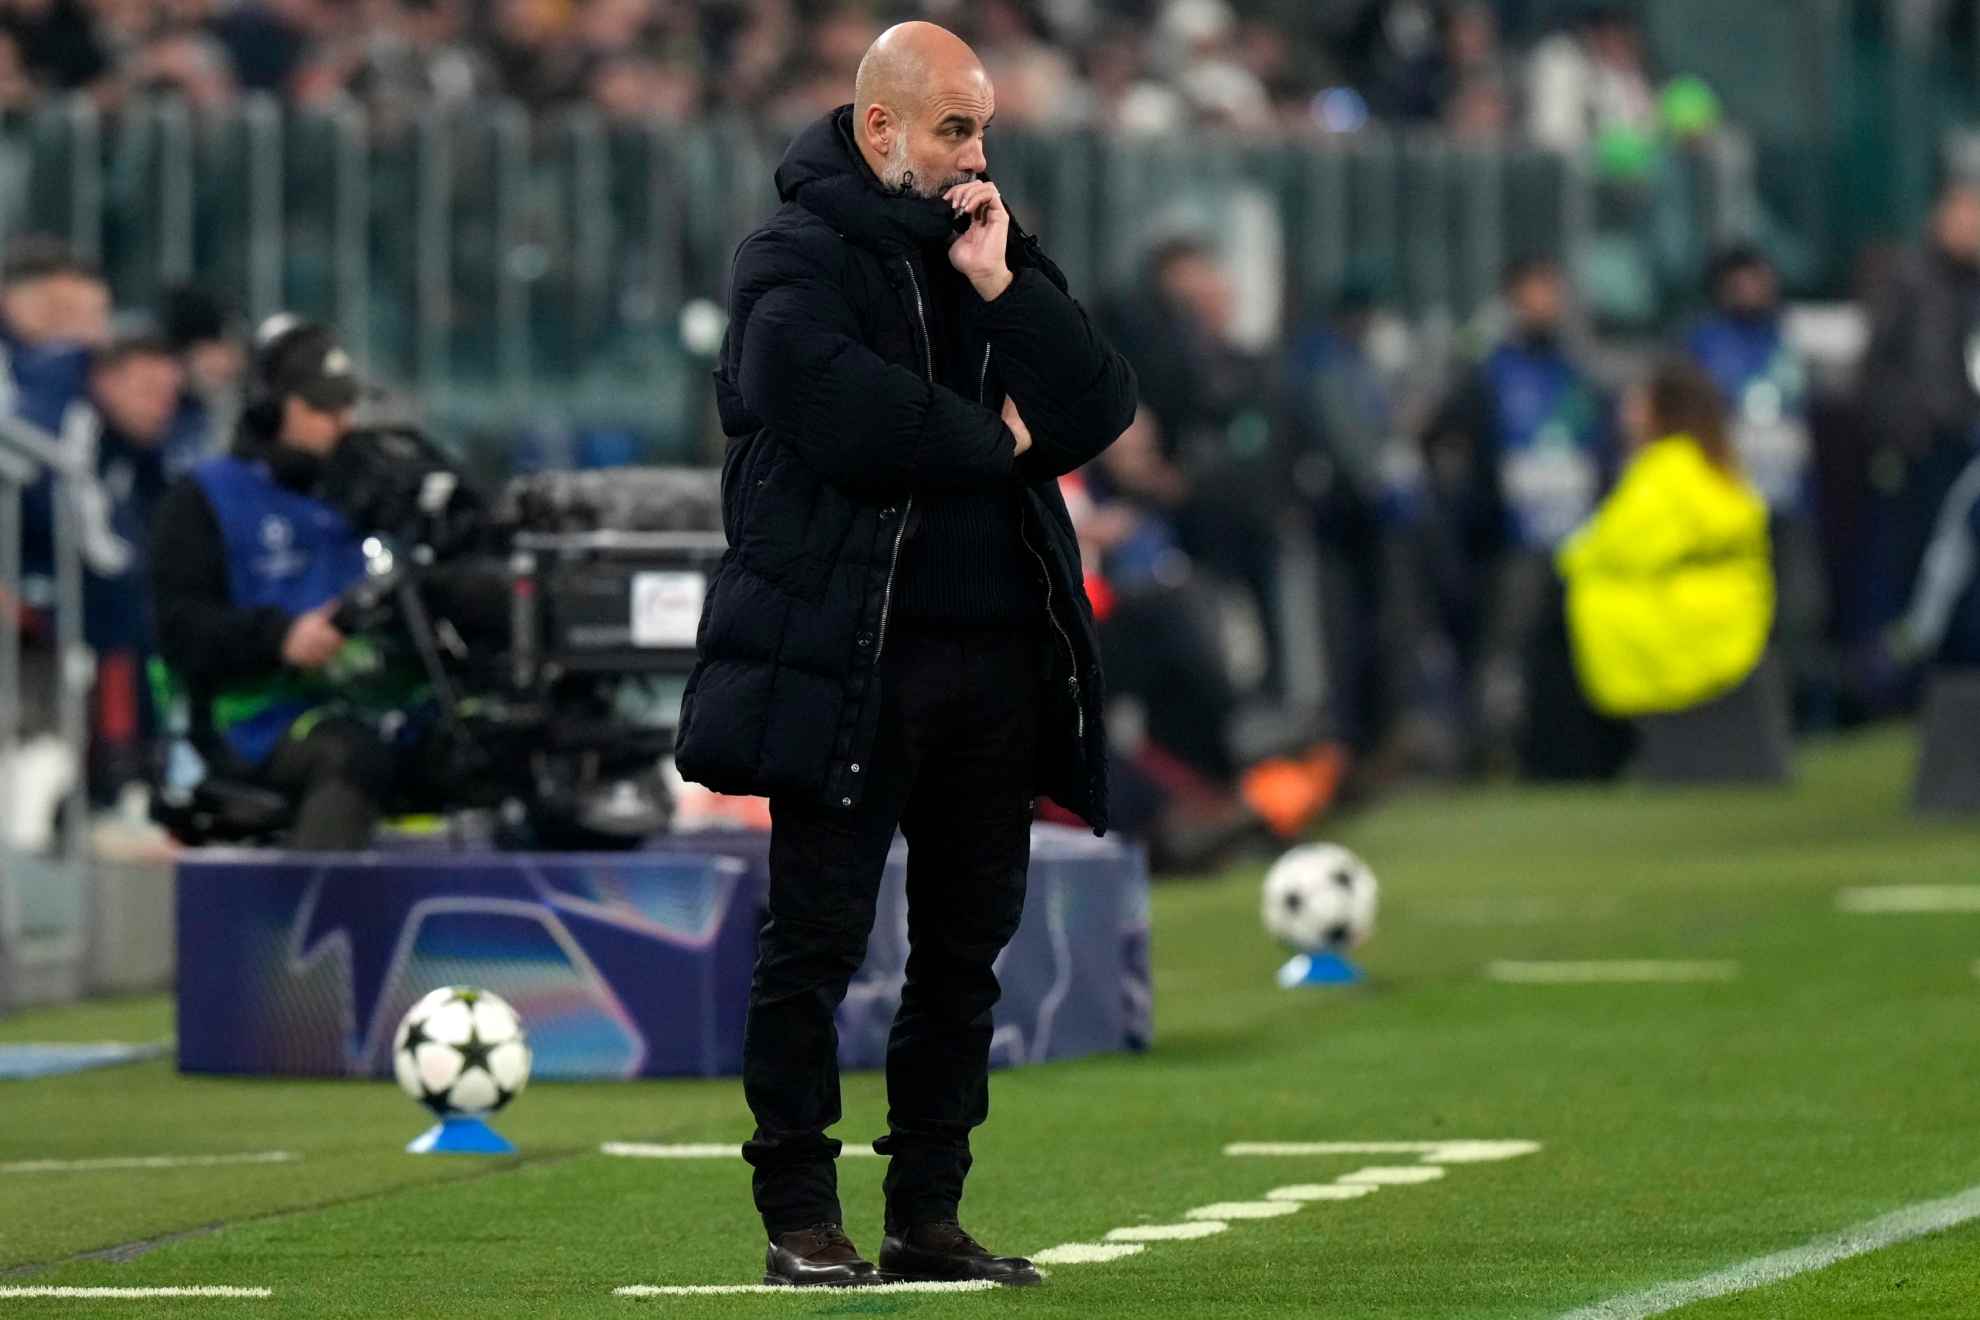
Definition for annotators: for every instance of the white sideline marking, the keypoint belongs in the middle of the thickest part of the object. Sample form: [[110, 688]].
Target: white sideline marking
[[1433, 1152], [1913, 1221], [1320, 1192], [148, 1162], [1085, 1253], [1199, 1228], [1910, 898], [209, 1291], [815, 1294], [1619, 971], [1242, 1210], [699, 1150], [1379, 1176]]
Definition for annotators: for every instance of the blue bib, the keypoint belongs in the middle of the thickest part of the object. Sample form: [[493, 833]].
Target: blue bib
[[284, 550], [1766, 389], [1552, 443]]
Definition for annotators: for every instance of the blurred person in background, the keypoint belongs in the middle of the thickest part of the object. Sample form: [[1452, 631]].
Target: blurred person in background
[[270, 43], [1669, 588], [54, 312], [1590, 83], [58, 42], [1920, 396], [1941, 625], [203, 333], [135, 389], [1765, 384], [1514, 460], [1356, 469], [1212, 404], [248, 565]]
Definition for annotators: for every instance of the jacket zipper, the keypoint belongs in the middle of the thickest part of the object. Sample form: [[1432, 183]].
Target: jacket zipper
[[907, 506], [1072, 656]]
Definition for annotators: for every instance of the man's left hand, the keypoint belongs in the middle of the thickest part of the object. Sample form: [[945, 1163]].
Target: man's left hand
[[979, 252]]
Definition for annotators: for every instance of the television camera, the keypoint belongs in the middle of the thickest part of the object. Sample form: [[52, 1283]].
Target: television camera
[[551, 632]]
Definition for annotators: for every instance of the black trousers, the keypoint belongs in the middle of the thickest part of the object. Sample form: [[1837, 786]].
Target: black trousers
[[339, 773], [951, 766]]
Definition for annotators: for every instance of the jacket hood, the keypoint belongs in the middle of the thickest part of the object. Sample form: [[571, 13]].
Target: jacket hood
[[823, 172]]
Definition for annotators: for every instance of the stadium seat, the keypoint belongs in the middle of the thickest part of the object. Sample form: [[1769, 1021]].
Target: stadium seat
[[1744, 736], [1949, 755]]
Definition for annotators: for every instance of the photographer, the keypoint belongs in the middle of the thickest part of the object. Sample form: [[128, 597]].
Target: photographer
[[249, 562]]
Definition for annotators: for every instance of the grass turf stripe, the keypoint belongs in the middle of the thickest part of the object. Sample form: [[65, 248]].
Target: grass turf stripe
[[1618, 971], [205, 1291], [1913, 1221], [815, 1294], [1909, 898], [148, 1162]]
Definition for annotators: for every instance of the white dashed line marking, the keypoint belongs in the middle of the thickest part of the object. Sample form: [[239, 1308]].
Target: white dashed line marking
[[1198, 1228]]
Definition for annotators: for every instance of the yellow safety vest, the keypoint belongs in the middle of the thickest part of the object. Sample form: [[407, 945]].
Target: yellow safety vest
[[1670, 585]]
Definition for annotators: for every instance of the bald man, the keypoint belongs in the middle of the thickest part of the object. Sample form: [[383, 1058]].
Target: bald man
[[899, 634]]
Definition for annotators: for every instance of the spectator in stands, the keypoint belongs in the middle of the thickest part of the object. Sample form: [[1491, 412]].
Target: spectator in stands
[[270, 42], [1670, 589], [1591, 82], [1514, 458], [58, 42], [535, 57], [1198, 39], [16, 87], [1765, 385], [1478, 101]]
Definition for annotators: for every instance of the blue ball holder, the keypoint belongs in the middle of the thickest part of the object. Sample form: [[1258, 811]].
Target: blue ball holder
[[1319, 969], [460, 1134]]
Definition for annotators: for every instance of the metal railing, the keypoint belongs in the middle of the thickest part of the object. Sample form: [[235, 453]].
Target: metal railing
[[504, 269], [42, 900]]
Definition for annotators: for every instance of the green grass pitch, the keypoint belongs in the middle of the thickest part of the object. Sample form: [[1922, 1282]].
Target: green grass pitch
[[1685, 1128]]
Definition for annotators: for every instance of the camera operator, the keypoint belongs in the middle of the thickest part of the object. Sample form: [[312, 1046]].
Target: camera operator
[[249, 562]]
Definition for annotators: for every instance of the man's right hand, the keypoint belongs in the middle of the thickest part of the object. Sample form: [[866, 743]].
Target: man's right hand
[[1016, 423], [313, 640]]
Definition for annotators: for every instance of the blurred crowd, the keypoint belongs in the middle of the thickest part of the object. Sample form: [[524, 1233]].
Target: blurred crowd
[[1355, 542], [1146, 67], [1517, 558]]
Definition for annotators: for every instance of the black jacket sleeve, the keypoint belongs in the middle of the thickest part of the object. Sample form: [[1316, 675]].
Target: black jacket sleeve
[[209, 642], [1075, 392], [851, 416]]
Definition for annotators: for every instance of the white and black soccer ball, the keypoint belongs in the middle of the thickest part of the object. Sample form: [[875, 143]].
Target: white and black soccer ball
[[461, 1051], [1320, 898]]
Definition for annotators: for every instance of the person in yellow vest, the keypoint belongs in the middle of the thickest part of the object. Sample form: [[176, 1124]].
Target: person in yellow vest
[[1670, 585]]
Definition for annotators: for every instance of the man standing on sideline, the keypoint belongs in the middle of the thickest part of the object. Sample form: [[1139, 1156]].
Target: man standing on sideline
[[898, 634]]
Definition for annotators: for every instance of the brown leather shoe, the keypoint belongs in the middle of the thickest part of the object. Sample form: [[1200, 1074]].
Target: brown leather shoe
[[942, 1251], [821, 1256]]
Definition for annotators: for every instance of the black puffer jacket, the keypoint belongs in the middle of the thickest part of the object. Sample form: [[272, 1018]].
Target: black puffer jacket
[[827, 393]]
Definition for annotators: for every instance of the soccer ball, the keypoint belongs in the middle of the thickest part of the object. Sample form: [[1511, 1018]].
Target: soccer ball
[[1320, 898], [461, 1051]]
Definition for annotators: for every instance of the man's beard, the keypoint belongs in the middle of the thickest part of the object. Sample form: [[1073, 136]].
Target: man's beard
[[899, 179]]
